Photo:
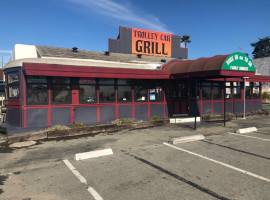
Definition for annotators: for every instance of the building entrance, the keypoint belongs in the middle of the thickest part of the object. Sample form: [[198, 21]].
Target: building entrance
[[180, 97]]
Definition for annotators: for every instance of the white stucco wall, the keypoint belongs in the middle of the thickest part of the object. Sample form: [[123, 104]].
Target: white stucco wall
[[22, 51], [262, 66]]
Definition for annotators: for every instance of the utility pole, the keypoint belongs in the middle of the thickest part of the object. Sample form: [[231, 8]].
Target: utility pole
[[2, 61]]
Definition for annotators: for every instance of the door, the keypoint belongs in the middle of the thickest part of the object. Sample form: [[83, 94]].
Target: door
[[180, 97]]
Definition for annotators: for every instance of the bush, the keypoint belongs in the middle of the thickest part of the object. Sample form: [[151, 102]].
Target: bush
[[122, 121], [207, 116], [266, 95], [155, 118], [57, 127], [77, 125], [227, 114]]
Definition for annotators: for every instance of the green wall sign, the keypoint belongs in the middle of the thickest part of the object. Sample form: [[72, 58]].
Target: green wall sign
[[238, 62]]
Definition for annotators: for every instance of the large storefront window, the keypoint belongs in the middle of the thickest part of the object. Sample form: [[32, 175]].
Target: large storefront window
[[61, 90], [124, 90], [228, 90], [237, 86], [13, 88], [140, 91], [217, 90], [106, 91], [193, 90], [256, 90], [87, 90], [156, 91], [206, 91], [248, 90], [36, 90]]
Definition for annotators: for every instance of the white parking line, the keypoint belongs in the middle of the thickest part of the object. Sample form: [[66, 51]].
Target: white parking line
[[221, 163], [91, 190], [249, 136], [94, 193], [75, 172]]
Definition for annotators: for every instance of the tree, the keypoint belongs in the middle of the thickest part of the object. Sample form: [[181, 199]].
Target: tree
[[186, 39], [261, 48]]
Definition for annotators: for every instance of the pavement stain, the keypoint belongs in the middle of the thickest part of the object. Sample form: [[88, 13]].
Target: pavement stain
[[2, 180], [46, 153], [4, 148]]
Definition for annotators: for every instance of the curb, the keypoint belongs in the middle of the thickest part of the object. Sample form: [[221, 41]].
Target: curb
[[246, 130], [85, 131], [27, 137], [184, 120], [93, 154], [187, 139]]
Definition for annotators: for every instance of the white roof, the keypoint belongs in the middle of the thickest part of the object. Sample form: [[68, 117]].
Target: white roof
[[29, 54]]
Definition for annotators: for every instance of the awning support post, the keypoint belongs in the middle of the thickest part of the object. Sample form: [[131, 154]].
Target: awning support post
[[224, 95], [195, 122], [244, 114]]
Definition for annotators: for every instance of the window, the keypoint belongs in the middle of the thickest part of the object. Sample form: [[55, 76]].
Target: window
[[140, 91], [206, 91], [256, 90], [217, 93], [61, 90], [248, 90], [228, 90], [13, 85], [180, 89], [124, 91], [167, 90], [87, 90], [193, 90], [106, 91], [217, 90], [124, 94], [2, 89], [156, 91], [36, 90], [237, 86]]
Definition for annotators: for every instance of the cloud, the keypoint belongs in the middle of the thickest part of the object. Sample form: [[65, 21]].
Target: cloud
[[124, 13], [5, 51]]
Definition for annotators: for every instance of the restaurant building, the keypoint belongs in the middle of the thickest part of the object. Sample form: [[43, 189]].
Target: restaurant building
[[144, 74]]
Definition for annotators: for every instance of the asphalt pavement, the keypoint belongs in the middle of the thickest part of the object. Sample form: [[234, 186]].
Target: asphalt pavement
[[144, 165]]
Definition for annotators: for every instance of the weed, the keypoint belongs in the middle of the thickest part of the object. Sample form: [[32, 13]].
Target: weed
[[122, 121], [77, 125], [207, 116], [57, 127], [265, 95], [155, 118]]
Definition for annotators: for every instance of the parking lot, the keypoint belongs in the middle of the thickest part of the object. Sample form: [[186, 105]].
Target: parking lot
[[145, 166]]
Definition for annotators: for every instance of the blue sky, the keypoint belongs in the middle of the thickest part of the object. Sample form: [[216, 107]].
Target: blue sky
[[215, 26]]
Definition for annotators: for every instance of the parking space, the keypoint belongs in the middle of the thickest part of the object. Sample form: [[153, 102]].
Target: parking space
[[223, 166], [161, 172]]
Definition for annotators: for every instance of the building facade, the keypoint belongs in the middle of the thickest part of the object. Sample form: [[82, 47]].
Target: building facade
[[143, 74]]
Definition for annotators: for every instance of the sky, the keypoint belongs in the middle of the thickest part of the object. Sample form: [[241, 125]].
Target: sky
[[216, 27]]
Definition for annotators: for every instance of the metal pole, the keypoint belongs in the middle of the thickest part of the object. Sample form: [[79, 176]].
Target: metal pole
[[2, 61], [244, 115], [195, 125], [224, 93]]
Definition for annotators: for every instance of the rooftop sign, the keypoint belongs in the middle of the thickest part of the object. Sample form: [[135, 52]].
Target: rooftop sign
[[238, 62], [151, 43], [145, 42]]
